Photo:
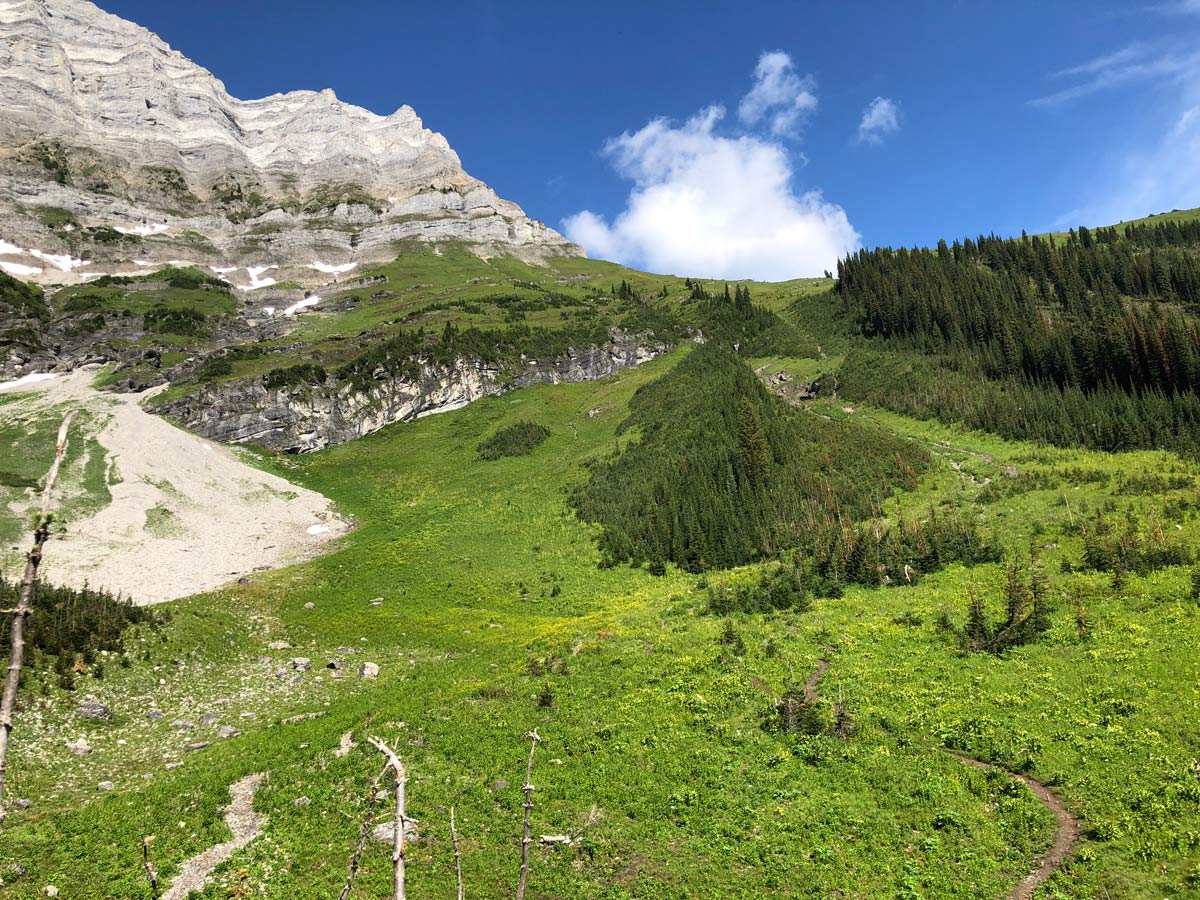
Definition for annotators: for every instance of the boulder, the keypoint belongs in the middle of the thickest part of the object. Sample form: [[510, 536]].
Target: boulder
[[386, 831], [93, 709], [79, 747]]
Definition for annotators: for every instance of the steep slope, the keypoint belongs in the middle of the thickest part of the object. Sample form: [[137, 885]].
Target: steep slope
[[114, 147]]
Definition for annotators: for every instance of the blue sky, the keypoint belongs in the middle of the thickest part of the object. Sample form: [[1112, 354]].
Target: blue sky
[[728, 138]]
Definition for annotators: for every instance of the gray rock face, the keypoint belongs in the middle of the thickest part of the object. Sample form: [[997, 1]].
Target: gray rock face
[[299, 421], [102, 118]]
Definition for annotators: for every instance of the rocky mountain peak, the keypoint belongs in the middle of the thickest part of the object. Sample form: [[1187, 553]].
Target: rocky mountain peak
[[106, 127]]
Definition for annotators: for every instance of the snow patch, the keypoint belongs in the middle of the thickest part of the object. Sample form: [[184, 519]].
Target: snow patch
[[144, 230], [64, 263], [19, 270], [223, 270], [31, 378], [317, 529], [256, 281], [329, 269], [269, 310], [303, 304], [8, 249]]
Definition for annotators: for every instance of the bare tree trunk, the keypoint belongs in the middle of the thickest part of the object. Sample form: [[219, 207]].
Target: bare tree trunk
[[362, 837], [457, 855], [398, 844], [526, 840], [33, 559]]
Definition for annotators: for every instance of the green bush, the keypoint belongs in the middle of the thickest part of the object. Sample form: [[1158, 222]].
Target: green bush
[[302, 375], [175, 320], [518, 439]]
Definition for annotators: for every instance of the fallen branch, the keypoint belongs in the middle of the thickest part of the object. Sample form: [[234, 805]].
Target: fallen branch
[[526, 840], [33, 559], [363, 835], [151, 875], [398, 843], [457, 855]]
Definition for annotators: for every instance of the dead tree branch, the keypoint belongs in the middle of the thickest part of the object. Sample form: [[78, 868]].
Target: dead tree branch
[[151, 875], [526, 840], [363, 835], [399, 848], [457, 855], [33, 559]]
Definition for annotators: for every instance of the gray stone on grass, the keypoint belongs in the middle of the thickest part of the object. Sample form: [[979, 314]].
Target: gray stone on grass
[[93, 709], [386, 831]]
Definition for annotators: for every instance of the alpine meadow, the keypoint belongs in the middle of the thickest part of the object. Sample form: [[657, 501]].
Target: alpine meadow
[[362, 536]]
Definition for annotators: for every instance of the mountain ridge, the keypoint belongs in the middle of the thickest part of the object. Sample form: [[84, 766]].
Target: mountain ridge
[[110, 128]]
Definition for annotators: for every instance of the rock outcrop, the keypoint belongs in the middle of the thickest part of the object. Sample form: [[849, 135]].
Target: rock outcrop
[[299, 420], [114, 147]]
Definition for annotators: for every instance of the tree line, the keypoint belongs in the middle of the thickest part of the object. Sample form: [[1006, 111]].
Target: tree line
[[1089, 339]]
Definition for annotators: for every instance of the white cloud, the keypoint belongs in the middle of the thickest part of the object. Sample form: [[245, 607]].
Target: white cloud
[[1163, 173], [1162, 177], [779, 97], [713, 206], [1134, 63], [880, 119]]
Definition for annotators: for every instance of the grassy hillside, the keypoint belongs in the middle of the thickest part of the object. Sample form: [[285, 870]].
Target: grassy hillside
[[1175, 215], [659, 743], [681, 749]]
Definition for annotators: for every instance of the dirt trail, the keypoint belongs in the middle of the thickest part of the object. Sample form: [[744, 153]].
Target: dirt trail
[[1065, 838], [187, 514], [244, 824], [810, 686]]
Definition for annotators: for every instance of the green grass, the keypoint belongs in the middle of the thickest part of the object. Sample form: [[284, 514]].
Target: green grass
[[1162, 218], [28, 436], [490, 591]]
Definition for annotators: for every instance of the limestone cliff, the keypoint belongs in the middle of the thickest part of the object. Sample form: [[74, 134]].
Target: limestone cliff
[[114, 147], [301, 419]]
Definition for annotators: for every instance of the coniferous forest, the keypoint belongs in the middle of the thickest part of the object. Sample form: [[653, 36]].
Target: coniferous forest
[[1089, 339]]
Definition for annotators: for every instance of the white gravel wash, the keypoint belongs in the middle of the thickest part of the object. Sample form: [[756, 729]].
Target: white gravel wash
[[227, 517]]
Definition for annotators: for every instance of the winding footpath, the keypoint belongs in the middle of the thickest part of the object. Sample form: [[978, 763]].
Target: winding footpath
[[244, 824], [1065, 837]]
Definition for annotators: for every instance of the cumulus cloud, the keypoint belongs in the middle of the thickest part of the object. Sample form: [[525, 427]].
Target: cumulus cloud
[[780, 98], [880, 119], [713, 206]]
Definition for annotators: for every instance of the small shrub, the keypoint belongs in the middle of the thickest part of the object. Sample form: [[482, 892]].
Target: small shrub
[[302, 375], [518, 439], [216, 367], [180, 321]]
